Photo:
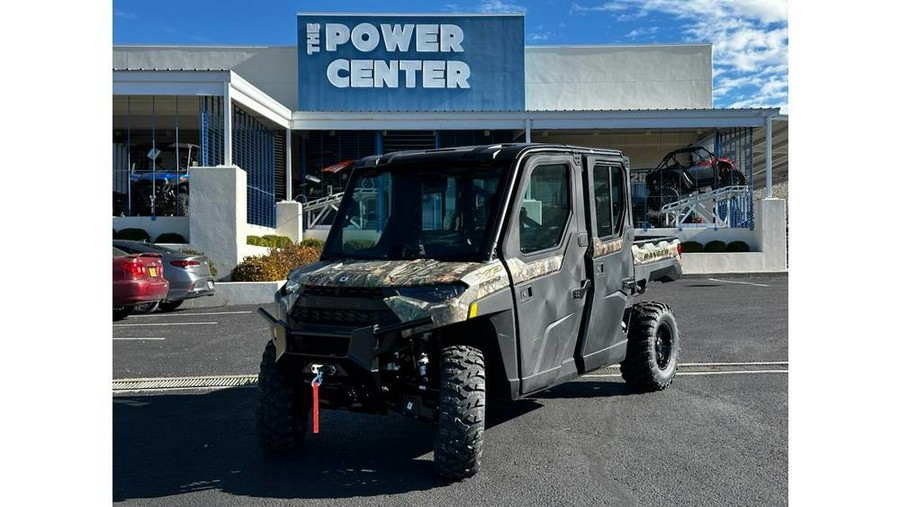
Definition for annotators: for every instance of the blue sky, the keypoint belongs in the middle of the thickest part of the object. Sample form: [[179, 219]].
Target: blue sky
[[749, 37]]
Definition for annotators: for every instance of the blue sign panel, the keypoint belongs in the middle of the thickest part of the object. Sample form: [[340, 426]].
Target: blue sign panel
[[391, 62]]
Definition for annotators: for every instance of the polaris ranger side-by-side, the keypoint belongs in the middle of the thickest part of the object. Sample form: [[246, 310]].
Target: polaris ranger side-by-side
[[454, 274]]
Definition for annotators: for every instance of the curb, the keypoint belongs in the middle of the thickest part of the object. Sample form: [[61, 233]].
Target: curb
[[236, 293]]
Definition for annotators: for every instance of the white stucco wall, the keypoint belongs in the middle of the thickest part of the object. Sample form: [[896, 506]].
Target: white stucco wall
[[618, 77], [769, 238], [556, 77], [272, 69], [218, 215]]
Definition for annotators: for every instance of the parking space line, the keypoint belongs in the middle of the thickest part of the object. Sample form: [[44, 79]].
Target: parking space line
[[738, 372], [139, 339], [735, 281], [168, 324], [695, 373], [757, 363], [186, 314]]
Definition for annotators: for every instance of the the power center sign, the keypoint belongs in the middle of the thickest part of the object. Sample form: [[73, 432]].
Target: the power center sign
[[391, 62]]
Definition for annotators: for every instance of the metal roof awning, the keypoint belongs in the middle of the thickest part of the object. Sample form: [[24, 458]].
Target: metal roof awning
[[551, 120]]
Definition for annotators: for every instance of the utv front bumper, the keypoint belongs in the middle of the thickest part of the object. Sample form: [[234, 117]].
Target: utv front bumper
[[360, 348]]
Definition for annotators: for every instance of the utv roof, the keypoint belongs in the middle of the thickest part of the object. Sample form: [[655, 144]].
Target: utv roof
[[488, 152]]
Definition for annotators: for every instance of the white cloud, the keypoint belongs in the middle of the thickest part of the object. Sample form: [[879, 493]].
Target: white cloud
[[124, 14], [499, 6], [749, 40], [539, 34], [642, 32]]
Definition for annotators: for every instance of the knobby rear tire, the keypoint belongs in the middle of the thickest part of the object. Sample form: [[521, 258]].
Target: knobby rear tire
[[652, 337]]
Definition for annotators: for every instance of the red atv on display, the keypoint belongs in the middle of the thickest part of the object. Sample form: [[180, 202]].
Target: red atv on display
[[689, 170]]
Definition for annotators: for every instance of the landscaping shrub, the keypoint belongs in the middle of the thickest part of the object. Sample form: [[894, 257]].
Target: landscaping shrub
[[714, 246], [358, 244], [133, 233], [170, 237], [738, 246], [272, 240], [191, 251], [691, 247], [269, 241], [313, 242], [275, 265]]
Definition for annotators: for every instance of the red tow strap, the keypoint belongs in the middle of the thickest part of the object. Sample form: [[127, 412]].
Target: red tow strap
[[315, 403]]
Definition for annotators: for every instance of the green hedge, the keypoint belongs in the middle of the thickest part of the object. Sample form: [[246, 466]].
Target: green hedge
[[170, 237], [313, 242], [715, 246], [269, 241], [132, 233], [738, 246], [275, 265]]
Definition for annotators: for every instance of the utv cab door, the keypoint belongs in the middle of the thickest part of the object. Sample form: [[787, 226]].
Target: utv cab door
[[610, 261], [544, 250]]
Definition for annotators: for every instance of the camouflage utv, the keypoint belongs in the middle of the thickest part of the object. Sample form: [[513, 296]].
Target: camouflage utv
[[456, 276]]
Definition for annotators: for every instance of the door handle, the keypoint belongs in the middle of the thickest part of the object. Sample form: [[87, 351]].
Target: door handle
[[580, 292], [526, 293]]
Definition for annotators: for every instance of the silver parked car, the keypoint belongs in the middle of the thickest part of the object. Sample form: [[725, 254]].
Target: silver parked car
[[188, 275]]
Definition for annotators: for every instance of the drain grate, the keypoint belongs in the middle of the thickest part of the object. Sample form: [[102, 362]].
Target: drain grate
[[223, 381], [147, 384]]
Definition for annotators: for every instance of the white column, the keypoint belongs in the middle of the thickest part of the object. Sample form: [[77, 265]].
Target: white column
[[527, 130], [768, 157], [288, 183], [226, 125]]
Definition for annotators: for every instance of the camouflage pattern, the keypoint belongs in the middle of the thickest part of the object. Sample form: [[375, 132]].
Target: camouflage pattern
[[650, 252], [375, 273], [481, 280], [599, 248], [522, 272]]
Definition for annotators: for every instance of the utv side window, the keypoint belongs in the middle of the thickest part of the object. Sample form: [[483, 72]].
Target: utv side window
[[545, 208], [609, 200]]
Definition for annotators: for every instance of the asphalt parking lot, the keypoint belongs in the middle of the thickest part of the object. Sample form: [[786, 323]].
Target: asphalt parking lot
[[718, 435]]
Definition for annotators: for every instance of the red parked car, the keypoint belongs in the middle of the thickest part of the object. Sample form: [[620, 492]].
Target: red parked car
[[137, 279]]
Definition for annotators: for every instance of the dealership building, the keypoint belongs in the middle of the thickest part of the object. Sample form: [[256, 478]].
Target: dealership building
[[261, 137]]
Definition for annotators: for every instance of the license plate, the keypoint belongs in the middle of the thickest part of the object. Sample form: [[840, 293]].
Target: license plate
[[152, 270], [210, 284]]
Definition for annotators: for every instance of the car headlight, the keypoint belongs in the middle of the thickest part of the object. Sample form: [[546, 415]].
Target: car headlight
[[433, 293]]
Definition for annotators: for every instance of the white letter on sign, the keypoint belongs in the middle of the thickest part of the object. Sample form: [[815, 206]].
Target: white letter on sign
[[457, 74], [365, 37], [334, 76], [386, 73], [451, 37], [409, 67], [335, 34], [427, 38], [433, 74], [396, 37], [360, 73]]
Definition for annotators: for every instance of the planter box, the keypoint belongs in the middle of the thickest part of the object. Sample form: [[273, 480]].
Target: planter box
[[237, 293]]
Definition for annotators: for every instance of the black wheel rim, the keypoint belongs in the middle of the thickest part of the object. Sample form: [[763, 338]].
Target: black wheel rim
[[663, 346]]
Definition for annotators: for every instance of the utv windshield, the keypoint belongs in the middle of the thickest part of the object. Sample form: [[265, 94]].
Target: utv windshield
[[395, 213]]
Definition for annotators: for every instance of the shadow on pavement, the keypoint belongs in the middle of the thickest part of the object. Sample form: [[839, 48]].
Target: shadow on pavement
[[172, 444], [585, 389]]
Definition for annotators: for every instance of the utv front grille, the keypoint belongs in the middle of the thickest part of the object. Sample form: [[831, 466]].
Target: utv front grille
[[344, 317]]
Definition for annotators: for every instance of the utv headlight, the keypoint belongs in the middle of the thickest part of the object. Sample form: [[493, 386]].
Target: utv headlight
[[292, 285], [433, 293]]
